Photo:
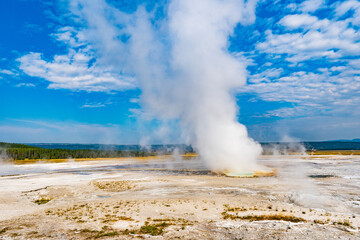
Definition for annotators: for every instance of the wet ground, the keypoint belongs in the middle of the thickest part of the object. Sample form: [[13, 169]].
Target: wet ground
[[311, 197]]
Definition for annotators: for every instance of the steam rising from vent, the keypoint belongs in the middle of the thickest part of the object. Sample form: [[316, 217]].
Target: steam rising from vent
[[183, 68]]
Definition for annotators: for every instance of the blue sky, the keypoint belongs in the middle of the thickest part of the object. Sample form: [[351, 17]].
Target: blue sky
[[302, 62]]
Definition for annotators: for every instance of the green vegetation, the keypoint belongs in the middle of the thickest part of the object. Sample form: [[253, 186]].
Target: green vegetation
[[114, 186], [13, 145], [154, 229], [278, 217], [345, 223], [232, 213], [42, 201], [4, 230], [21, 152], [106, 234]]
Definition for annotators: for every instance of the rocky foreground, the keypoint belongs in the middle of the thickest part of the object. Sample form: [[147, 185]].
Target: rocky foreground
[[310, 198]]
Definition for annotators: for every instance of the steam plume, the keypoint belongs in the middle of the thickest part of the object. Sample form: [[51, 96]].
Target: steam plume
[[183, 68]]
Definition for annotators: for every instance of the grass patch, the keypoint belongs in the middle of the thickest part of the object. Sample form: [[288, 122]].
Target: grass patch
[[115, 218], [42, 201], [4, 230], [319, 222], [154, 229], [237, 209], [276, 217], [114, 186], [107, 234], [345, 223]]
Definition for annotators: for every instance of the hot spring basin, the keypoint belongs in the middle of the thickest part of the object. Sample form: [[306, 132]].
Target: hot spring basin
[[262, 173]]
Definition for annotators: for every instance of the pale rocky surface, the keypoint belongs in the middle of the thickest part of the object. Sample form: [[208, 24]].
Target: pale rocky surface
[[312, 197]]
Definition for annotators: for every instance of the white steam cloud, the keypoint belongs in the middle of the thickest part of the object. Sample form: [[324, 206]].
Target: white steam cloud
[[183, 68]]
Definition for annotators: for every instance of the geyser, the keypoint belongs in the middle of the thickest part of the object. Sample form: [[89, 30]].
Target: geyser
[[182, 65]]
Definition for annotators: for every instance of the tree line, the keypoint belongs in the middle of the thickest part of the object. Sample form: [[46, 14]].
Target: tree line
[[22, 152]]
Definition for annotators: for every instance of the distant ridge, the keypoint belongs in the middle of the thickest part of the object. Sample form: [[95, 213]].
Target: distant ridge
[[346, 140], [339, 140]]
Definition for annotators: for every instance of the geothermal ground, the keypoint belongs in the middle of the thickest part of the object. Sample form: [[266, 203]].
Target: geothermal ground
[[311, 197]]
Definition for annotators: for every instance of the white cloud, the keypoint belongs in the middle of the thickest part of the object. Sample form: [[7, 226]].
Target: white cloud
[[311, 5], [134, 100], [314, 38], [25, 85], [291, 6], [346, 6], [333, 89], [266, 75], [333, 42], [7, 72], [298, 20], [72, 72], [77, 70], [305, 37], [287, 112], [69, 36], [93, 105], [338, 68]]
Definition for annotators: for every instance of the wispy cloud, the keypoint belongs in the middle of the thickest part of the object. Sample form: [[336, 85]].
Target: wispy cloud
[[30, 28], [7, 72], [93, 105], [25, 85], [134, 100], [288, 112], [311, 5]]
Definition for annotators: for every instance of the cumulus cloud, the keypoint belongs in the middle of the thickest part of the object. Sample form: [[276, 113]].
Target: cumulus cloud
[[328, 51], [306, 36], [77, 70], [322, 39], [298, 20], [320, 90], [73, 72]]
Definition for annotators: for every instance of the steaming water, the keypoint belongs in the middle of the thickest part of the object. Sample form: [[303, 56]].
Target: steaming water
[[183, 67]]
